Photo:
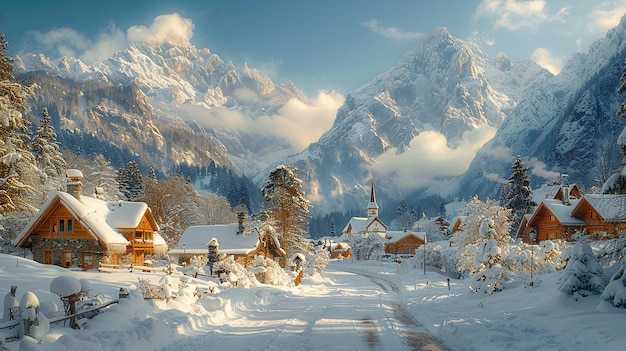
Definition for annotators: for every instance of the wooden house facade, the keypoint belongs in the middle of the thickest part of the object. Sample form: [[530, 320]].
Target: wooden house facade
[[599, 216], [71, 230], [404, 243]]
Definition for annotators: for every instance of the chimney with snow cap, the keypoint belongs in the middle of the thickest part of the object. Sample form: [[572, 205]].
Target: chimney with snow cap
[[74, 184]]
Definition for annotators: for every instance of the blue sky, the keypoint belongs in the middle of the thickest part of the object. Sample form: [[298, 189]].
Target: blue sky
[[320, 45]]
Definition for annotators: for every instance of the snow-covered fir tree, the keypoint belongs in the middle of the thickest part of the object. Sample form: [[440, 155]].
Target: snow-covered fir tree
[[517, 194], [130, 181], [46, 148], [288, 208], [405, 217], [616, 183], [615, 291], [583, 275], [484, 232], [15, 153]]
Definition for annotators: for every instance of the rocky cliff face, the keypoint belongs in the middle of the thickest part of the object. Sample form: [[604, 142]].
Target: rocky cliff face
[[177, 86], [444, 85], [567, 122]]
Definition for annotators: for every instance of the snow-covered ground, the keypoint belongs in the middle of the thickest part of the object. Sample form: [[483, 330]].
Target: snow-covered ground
[[354, 305]]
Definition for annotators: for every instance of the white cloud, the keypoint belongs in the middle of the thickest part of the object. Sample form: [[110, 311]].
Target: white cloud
[[68, 42], [430, 159], [170, 28], [392, 33], [538, 168], [297, 122], [544, 58], [513, 14], [603, 20]]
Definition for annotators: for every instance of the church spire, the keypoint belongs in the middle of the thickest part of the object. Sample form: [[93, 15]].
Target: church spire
[[372, 207]]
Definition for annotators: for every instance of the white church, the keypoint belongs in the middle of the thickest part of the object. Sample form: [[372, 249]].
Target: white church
[[366, 225]]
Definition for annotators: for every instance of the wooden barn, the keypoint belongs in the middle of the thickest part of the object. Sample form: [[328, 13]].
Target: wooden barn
[[73, 230]]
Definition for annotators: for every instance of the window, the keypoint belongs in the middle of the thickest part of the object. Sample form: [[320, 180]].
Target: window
[[69, 225], [61, 226], [67, 258]]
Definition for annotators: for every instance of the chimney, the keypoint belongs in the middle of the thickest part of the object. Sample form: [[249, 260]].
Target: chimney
[[241, 219], [74, 184], [565, 189]]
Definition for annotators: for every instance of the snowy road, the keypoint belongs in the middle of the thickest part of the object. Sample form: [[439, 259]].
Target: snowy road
[[354, 311]]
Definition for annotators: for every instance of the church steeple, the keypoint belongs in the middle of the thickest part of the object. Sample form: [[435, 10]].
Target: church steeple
[[372, 207]]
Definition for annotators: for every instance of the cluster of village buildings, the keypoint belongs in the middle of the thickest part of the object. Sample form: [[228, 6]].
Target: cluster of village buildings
[[74, 230]]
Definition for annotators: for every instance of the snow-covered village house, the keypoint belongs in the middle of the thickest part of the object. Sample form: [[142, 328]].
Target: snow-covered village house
[[396, 242], [600, 216], [74, 230], [236, 239]]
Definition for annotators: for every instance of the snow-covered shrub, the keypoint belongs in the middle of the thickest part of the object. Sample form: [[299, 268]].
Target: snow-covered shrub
[[613, 251], [489, 281], [228, 266], [273, 273], [33, 324], [196, 265], [317, 261], [582, 275], [615, 291], [367, 247]]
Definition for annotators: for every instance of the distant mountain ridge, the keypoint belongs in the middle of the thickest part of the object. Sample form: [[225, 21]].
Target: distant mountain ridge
[[178, 82], [445, 85], [568, 122], [149, 101]]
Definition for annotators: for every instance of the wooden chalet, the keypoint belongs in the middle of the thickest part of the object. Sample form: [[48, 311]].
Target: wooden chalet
[[599, 216], [404, 243], [73, 230], [604, 215], [229, 239]]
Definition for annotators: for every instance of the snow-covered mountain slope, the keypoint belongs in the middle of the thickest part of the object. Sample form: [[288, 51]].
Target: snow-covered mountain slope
[[184, 85], [567, 124], [445, 85]]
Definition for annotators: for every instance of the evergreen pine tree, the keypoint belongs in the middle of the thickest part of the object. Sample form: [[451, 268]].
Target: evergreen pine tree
[[616, 184], [134, 182], [517, 194], [288, 208], [46, 148], [15, 152]]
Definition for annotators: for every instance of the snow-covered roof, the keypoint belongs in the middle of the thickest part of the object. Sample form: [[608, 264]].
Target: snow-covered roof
[[101, 218], [358, 225], [612, 207], [563, 212], [196, 238], [396, 235]]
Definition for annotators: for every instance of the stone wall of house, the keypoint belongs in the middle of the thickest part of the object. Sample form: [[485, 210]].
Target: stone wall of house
[[76, 246]]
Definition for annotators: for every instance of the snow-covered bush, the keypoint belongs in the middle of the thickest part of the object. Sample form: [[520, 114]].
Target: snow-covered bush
[[615, 291], [367, 247], [196, 265], [485, 222], [611, 252], [583, 275], [273, 273], [317, 261], [228, 266], [34, 324], [489, 281]]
